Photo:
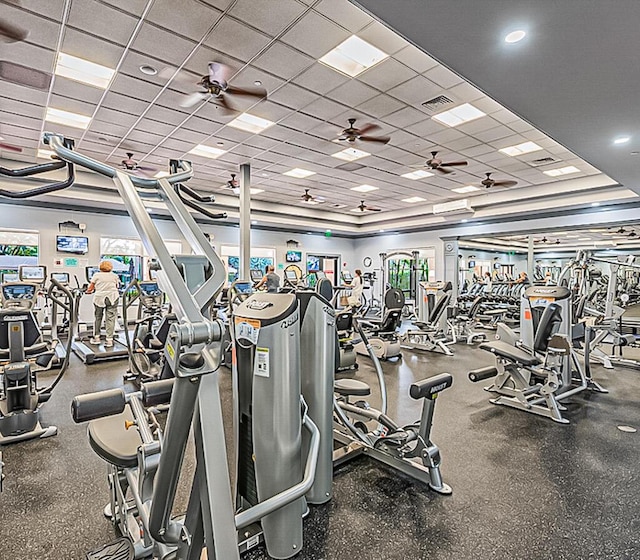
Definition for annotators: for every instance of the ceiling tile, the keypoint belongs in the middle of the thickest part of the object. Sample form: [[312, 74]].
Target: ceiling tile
[[103, 21], [165, 46], [321, 79], [344, 14], [192, 19], [387, 74], [73, 105], [270, 111], [493, 134], [88, 47], [380, 106], [293, 96], [352, 93], [124, 103], [28, 95], [199, 61], [382, 37], [135, 7], [282, 60], [487, 105], [237, 40], [165, 115], [416, 90], [47, 31], [443, 77], [110, 115], [478, 125], [261, 14], [405, 117], [75, 90], [300, 122], [425, 128], [134, 87], [315, 35], [415, 59], [32, 56], [465, 92], [323, 108]]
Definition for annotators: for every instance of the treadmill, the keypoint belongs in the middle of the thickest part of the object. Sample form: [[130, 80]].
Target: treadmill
[[91, 353]]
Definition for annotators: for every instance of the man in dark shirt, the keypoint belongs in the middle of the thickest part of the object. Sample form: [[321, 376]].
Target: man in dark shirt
[[271, 280]]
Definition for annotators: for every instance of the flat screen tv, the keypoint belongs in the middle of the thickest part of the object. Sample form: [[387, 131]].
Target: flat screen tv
[[72, 244], [293, 256]]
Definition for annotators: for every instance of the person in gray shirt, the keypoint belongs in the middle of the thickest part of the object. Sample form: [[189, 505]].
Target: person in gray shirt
[[271, 280]]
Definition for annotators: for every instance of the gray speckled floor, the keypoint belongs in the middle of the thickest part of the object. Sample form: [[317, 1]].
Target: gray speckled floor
[[523, 487]]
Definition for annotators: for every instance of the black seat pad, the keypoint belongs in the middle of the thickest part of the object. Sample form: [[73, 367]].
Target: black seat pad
[[346, 387], [156, 344], [505, 350], [112, 442]]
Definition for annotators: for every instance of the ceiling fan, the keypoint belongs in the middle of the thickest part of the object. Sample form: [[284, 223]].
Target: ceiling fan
[[215, 84], [489, 182], [351, 134], [310, 199], [9, 147], [232, 184], [131, 164], [437, 164], [364, 208]]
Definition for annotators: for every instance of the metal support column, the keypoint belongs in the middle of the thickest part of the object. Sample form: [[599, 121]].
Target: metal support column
[[451, 266], [530, 258], [245, 220]]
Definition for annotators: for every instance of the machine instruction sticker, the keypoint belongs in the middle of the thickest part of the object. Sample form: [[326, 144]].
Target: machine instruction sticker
[[539, 301], [248, 329], [261, 363]]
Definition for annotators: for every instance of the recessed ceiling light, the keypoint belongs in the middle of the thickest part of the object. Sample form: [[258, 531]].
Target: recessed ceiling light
[[161, 174], [251, 123], [84, 71], [206, 151], [464, 221], [67, 118], [458, 115], [45, 154], [353, 56], [415, 175], [414, 199], [622, 140], [595, 204], [515, 36], [254, 222], [299, 173], [520, 149], [148, 70], [350, 154], [467, 189], [381, 231], [364, 188], [257, 83], [562, 171], [219, 143]]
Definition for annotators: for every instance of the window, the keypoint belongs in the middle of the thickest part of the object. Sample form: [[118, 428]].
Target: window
[[17, 248]]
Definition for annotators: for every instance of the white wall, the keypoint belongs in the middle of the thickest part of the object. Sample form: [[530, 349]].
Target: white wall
[[45, 221]]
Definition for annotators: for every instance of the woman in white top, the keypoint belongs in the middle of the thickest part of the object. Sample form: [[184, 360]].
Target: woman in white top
[[357, 287], [104, 285]]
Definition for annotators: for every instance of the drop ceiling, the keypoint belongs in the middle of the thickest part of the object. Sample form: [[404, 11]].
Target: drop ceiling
[[278, 44]]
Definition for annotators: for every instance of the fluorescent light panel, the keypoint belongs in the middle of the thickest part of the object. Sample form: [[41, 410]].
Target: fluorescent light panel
[[353, 56], [207, 151], [415, 175], [251, 123], [84, 71], [520, 149], [67, 118], [458, 115], [350, 154], [299, 173], [467, 189], [364, 188], [414, 199], [562, 171]]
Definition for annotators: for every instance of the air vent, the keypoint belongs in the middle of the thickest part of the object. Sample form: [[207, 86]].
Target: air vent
[[437, 103], [350, 166], [544, 161], [338, 206]]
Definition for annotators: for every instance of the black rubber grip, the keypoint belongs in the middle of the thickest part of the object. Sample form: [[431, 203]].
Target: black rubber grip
[[483, 373], [431, 386], [97, 405], [157, 392]]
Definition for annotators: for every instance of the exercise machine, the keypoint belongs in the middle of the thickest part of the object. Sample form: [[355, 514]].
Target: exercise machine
[[383, 333], [542, 370], [408, 449]]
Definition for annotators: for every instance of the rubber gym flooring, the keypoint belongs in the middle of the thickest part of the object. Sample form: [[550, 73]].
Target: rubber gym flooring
[[523, 487]]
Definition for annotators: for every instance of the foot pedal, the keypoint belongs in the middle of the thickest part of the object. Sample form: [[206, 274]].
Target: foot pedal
[[121, 549]]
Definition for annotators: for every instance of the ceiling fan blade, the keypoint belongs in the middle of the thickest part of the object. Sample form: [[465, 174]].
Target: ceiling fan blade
[[505, 183], [219, 72], [374, 209], [193, 99], [379, 139], [453, 164], [442, 170], [9, 147], [419, 166], [223, 103], [369, 127], [251, 92], [146, 168], [10, 33]]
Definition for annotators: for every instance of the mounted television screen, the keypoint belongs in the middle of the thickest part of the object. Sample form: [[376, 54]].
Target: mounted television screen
[[30, 273], [72, 244], [293, 256], [497, 266], [471, 264]]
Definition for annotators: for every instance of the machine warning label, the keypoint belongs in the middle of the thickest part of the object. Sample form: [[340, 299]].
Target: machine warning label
[[261, 363], [248, 329]]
